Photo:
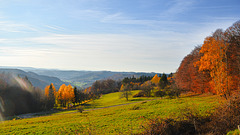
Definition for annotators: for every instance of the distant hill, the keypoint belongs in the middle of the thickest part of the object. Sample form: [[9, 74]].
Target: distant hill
[[42, 77], [85, 78], [40, 81]]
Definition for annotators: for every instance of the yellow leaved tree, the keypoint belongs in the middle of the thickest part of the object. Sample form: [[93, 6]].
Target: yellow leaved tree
[[155, 79]]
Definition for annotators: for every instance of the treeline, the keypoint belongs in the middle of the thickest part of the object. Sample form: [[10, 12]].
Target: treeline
[[18, 96], [66, 96], [215, 66], [100, 87], [159, 86], [141, 79]]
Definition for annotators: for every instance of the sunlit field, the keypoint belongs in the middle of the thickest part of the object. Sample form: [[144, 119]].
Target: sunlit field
[[116, 98], [115, 120]]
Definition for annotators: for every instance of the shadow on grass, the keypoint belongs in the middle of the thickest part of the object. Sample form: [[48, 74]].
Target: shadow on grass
[[55, 111], [193, 95], [138, 99]]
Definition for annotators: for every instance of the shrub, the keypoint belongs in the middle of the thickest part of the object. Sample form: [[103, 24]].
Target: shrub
[[172, 92], [169, 127], [190, 122], [226, 117], [160, 93], [140, 94], [80, 109]]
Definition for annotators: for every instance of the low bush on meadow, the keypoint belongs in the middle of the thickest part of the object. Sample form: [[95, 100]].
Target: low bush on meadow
[[226, 118]]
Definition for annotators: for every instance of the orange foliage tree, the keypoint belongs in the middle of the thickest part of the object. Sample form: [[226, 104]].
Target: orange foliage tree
[[188, 76], [50, 93], [215, 66], [155, 79], [50, 90], [214, 60], [65, 94]]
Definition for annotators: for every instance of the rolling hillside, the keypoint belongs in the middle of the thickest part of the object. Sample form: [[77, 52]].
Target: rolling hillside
[[40, 81], [85, 78]]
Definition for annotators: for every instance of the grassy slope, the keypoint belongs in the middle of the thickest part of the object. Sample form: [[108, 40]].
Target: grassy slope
[[114, 99], [116, 120]]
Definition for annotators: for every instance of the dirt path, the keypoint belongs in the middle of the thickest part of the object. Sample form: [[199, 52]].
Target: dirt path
[[42, 114], [121, 104]]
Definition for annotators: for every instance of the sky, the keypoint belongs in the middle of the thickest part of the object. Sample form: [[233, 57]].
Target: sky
[[113, 35]]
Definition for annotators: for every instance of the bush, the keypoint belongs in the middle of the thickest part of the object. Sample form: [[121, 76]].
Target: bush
[[140, 94], [169, 127], [80, 109], [172, 92], [226, 117], [189, 123], [160, 93]]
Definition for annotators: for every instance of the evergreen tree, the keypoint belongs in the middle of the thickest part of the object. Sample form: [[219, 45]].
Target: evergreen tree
[[163, 81]]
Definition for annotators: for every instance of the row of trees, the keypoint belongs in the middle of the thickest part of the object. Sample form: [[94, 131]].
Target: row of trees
[[133, 79], [157, 86], [64, 96], [215, 66], [105, 86]]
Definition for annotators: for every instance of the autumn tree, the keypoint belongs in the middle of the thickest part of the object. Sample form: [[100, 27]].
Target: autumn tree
[[155, 80], [126, 90], [96, 87], [50, 93], [188, 77], [147, 88], [214, 60], [104, 86], [215, 66], [65, 94]]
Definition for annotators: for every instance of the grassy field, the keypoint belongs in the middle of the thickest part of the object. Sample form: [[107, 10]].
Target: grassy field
[[115, 99], [115, 120]]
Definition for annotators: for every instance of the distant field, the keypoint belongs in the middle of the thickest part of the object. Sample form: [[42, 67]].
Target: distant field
[[114, 99], [115, 120], [78, 84]]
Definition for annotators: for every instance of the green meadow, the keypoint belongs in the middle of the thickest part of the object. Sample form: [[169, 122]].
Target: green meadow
[[125, 119], [115, 98]]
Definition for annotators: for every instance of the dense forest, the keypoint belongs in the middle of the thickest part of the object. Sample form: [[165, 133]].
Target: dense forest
[[215, 66]]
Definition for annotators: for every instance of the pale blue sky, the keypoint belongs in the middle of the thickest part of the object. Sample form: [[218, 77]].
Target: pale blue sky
[[116, 35]]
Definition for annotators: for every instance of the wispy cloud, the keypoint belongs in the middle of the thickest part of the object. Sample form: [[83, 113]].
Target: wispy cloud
[[8, 26], [176, 7], [86, 14], [99, 51], [54, 27], [153, 24]]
